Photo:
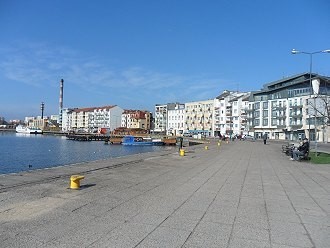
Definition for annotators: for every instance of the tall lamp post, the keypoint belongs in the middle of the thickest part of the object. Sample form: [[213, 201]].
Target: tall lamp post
[[294, 51]]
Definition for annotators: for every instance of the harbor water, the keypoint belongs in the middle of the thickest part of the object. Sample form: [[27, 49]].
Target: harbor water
[[22, 152]]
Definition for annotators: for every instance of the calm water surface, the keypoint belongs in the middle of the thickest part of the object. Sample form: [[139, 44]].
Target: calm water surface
[[18, 151]]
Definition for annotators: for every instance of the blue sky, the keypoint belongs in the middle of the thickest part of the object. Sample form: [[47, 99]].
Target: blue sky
[[141, 52]]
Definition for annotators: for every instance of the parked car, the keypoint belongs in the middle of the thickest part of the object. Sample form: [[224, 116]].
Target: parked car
[[187, 135], [248, 137]]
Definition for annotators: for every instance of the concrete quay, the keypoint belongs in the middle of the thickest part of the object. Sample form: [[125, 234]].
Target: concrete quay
[[241, 194]]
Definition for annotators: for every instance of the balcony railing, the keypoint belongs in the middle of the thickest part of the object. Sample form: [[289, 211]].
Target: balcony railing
[[296, 106], [295, 115], [296, 126], [279, 107]]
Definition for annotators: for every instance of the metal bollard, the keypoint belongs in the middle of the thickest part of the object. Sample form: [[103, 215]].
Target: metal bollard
[[75, 181], [206, 147], [181, 152]]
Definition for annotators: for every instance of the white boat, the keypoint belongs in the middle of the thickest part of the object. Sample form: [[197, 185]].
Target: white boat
[[28, 130]]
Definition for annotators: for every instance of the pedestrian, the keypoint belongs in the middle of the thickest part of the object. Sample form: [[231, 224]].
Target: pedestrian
[[264, 138]]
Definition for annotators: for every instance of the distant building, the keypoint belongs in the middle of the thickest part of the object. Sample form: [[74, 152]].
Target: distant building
[[136, 119], [92, 118], [199, 117], [160, 121], [175, 124], [230, 115]]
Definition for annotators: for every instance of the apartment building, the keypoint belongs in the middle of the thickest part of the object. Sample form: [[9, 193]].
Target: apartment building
[[160, 122], [175, 119], [238, 117], [136, 119], [230, 115], [291, 108], [89, 119], [199, 117]]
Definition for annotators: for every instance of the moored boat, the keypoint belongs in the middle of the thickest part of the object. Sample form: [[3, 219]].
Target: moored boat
[[130, 140], [28, 130]]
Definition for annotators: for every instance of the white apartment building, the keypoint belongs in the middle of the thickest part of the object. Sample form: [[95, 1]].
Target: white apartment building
[[175, 119], [66, 119], [230, 116], [238, 113], [89, 119], [199, 117], [160, 118], [105, 117], [285, 109]]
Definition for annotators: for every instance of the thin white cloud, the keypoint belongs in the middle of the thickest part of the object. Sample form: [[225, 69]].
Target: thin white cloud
[[43, 65]]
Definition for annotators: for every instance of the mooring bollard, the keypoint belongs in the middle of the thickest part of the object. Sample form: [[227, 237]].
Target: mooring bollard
[[181, 152], [219, 143], [75, 181], [206, 147]]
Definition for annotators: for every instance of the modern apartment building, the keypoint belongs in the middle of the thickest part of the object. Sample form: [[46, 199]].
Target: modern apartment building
[[89, 119], [160, 118], [291, 108], [238, 117], [175, 119], [136, 119], [230, 116], [199, 117]]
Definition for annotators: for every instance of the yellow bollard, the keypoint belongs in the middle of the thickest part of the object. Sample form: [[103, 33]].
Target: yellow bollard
[[219, 143], [181, 152], [75, 181], [206, 147]]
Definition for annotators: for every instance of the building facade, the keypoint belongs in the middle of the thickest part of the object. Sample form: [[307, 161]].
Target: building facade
[[230, 115], [175, 119], [91, 119], [199, 117], [160, 122], [136, 119], [291, 108]]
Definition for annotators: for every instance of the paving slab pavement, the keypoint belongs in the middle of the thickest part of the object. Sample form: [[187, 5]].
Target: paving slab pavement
[[241, 194]]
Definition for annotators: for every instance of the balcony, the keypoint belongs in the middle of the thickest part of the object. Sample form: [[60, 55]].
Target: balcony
[[276, 107], [296, 126], [295, 106], [296, 115]]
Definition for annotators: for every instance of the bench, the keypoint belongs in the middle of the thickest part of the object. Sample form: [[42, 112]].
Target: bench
[[304, 157]]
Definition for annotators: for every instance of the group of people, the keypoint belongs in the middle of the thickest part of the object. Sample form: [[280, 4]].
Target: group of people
[[300, 150]]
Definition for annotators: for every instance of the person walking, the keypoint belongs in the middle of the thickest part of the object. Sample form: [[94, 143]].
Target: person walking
[[264, 138]]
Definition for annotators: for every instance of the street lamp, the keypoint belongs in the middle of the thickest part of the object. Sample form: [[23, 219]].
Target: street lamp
[[294, 51]]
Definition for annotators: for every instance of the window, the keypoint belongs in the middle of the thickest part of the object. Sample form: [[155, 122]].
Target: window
[[265, 122], [256, 122], [265, 113], [265, 105], [257, 105], [274, 122]]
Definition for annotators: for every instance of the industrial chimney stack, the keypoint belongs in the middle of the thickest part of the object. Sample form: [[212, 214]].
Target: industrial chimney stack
[[61, 103]]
